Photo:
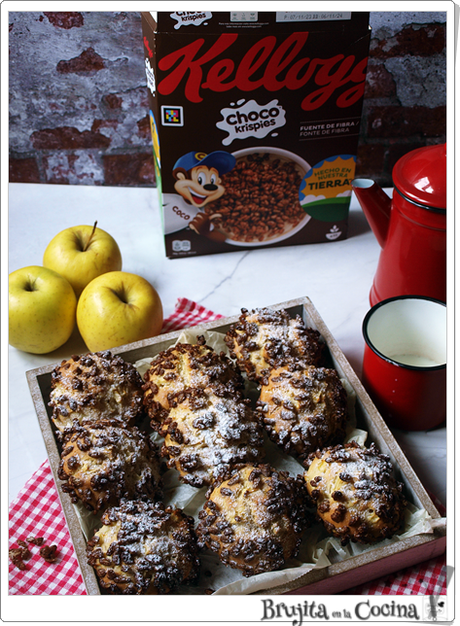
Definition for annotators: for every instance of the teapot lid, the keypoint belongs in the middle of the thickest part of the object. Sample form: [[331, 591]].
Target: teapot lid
[[420, 176]]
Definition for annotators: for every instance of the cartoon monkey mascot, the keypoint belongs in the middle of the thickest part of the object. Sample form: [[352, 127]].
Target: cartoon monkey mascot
[[198, 175]]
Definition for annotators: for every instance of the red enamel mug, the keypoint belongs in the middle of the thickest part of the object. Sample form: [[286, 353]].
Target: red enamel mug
[[404, 364]]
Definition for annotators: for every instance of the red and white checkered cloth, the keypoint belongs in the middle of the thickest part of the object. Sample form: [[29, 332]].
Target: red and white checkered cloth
[[37, 512]]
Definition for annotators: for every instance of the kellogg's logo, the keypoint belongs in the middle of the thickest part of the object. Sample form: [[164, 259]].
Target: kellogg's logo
[[251, 120], [268, 64]]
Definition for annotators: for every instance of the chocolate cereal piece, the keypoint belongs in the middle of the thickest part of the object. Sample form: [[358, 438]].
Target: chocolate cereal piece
[[303, 409], [356, 495], [144, 548], [92, 387], [265, 339], [38, 541], [253, 518], [49, 553], [18, 556], [103, 462]]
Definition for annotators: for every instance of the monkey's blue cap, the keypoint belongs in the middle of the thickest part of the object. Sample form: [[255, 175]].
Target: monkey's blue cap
[[222, 161]]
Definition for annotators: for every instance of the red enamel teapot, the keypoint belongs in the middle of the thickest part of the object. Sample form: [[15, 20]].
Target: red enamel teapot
[[410, 227]]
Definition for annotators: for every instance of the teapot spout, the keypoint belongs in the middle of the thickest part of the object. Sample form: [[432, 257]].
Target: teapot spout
[[376, 206]]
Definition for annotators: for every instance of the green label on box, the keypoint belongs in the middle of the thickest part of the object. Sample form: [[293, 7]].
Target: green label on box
[[325, 191]]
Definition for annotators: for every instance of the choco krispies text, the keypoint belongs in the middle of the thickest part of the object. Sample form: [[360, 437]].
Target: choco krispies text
[[255, 121]]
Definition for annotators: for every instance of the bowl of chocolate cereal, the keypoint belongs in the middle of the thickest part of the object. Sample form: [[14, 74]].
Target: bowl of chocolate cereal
[[261, 202]]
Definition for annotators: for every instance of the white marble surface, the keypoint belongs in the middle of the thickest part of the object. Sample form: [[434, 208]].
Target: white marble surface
[[335, 276]]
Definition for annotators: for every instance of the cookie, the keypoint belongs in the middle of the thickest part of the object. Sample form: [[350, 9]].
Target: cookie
[[92, 387], [254, 518], [265, 339], [144, 548], [356, 495], [303, 409], [103, 462]]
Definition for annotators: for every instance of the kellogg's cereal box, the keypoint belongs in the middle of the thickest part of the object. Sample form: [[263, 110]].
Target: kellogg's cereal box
[[255, 120]]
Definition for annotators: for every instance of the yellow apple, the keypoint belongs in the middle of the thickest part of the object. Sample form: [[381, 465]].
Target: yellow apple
[[41, 307], [118, 308], [81, 253]]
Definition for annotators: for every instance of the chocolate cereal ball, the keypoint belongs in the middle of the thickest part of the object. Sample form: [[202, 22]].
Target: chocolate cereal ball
[[144, 548], [103, 462], [265, 339], [92, 387], [253, 518], [303, 409], [356, 495], [185, 366]]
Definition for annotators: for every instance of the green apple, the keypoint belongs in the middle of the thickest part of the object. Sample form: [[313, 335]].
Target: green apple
[[42, 309], [81, 253], [118, 308]]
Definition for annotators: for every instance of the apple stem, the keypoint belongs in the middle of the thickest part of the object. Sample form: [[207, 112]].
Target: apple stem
[[90, 237]]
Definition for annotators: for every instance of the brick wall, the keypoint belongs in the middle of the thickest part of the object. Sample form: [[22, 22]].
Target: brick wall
[[78, 96], [78, 99], [405, 96]]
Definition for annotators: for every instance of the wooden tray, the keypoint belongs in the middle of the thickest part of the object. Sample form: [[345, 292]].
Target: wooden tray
[[377, 562]]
